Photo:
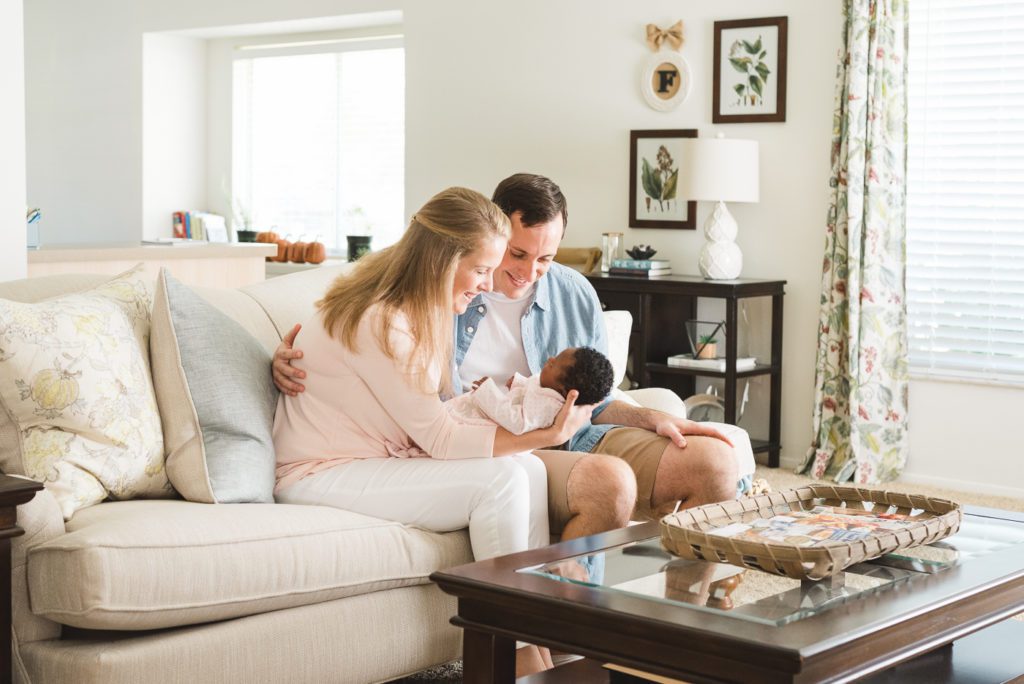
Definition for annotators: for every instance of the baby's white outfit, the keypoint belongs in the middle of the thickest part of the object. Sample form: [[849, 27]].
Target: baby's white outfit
[[527, 406]]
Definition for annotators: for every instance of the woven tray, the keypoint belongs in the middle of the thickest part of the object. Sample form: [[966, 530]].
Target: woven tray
[[685, 533]]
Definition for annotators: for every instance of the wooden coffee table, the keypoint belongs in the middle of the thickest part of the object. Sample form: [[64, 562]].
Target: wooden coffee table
[[620, 598]]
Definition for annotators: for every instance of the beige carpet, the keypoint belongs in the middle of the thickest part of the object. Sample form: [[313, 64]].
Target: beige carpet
[[785, 478]]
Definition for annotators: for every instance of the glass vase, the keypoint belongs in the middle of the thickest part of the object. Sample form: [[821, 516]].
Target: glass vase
[[611, 249]]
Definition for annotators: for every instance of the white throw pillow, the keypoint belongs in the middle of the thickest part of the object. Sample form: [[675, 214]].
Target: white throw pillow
[[79, 412]]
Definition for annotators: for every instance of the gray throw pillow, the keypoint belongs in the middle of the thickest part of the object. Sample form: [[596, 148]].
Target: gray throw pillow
[[216, 398]]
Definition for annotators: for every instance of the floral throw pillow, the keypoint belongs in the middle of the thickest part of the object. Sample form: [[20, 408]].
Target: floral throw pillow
[[79, 412]]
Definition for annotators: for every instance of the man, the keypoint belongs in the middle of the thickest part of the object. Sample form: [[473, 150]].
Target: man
[[631, 461]]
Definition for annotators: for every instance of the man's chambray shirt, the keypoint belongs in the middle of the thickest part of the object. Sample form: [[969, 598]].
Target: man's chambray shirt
[[565, 312]]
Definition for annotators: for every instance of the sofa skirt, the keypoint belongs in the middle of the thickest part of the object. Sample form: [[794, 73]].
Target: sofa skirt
[[366, 638]]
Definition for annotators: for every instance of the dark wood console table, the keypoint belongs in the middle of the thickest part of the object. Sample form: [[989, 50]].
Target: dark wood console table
[[660, 308], [14, 491]]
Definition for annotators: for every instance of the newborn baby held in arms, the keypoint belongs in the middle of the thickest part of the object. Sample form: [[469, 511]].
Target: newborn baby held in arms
[[532, 403]]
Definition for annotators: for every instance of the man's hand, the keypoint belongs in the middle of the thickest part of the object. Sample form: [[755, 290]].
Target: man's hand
[[570, 419], [286, 375], [674, 428], [477, 383], [508, 383]]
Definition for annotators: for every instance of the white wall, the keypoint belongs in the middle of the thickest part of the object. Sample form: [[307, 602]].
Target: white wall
[[495, 88], [965, 435], [12, 141], [173, 131], [564, 107]]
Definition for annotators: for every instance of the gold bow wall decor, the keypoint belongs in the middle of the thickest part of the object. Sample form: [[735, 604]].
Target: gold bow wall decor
[[673, 35]]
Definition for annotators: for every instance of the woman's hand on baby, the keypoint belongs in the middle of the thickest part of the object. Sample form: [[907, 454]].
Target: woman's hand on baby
[[285, 374], [477, 383], [570, 419], [508, 383]]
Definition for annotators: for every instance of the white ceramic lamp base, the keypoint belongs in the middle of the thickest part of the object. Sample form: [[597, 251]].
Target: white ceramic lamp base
[[721, 258], [720, 261]]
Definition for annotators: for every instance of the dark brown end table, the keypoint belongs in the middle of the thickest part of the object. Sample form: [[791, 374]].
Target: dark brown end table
[[14, 491], [620, 598], [660, 308]]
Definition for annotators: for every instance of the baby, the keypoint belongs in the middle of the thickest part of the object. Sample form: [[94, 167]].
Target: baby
[[534, 402]]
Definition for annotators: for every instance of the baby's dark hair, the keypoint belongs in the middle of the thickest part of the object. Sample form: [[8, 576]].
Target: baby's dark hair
[[591, 375]]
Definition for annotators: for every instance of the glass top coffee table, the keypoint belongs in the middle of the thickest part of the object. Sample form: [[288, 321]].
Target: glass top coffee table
[[620, 598]]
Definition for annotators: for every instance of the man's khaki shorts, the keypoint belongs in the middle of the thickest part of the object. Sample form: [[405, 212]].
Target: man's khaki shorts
[[641, 449]]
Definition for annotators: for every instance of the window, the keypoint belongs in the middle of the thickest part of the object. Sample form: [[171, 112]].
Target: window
[[319, 140], [965, 190]]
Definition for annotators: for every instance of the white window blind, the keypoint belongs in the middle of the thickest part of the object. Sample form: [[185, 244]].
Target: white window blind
[[965, 194], [319, 141]]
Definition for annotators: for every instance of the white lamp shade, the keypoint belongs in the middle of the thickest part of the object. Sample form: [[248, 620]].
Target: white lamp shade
[[719, 170]]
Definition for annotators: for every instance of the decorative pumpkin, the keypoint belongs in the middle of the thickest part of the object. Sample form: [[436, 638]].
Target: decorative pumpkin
[[267, 236], [315, 252], [282, 251], [297, 252]]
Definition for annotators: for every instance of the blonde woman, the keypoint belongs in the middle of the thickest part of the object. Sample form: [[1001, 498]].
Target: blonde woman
[[370, 433]]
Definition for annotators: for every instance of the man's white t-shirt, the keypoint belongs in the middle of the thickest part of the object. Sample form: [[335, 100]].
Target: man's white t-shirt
[[497, 350]]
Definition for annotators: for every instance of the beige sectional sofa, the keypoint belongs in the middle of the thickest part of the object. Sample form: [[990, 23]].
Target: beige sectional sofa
[[172, 591]]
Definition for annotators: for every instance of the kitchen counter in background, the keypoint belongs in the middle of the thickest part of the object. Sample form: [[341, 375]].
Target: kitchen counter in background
[[204, 265]]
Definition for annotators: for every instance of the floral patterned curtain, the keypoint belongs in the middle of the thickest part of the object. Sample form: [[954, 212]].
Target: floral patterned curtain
[[861, 377]]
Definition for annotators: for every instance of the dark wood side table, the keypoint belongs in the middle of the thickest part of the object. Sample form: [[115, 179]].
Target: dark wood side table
[[660, 308], [14, 491]]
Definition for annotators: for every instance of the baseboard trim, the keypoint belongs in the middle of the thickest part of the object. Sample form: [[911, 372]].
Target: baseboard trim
[[963, 485]]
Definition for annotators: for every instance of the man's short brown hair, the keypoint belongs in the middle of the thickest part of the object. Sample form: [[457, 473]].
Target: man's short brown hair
[[538, 198]]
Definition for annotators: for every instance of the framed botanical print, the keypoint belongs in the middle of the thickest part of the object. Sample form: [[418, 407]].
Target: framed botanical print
[[654, 178], [750, 70]]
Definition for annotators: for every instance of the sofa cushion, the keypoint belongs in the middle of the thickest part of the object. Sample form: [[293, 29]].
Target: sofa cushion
[[137, 565], [291, 299], [31, 290], [78, 409], [244, 310], [216, 399]]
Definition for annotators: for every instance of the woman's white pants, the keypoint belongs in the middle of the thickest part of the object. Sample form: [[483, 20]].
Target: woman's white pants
[[503, 500]]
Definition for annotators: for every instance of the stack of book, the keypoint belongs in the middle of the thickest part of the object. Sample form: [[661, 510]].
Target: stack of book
[[199, 225], [687, 361], [640, 268]]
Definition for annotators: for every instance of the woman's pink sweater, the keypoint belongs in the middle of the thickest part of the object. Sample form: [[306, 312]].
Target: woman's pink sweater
[[362, 405]]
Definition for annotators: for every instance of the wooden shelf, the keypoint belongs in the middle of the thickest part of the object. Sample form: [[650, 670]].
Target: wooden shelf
[[758, 369], [661, 306]]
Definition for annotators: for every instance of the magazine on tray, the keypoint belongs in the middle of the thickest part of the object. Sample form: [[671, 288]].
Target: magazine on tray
[[815, 527]]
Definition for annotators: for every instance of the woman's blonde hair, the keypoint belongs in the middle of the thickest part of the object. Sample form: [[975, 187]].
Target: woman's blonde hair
[[415, 277]]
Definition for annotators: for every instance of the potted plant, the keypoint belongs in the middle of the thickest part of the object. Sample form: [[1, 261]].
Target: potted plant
[[707, 347], [241, 218], [359, 236]]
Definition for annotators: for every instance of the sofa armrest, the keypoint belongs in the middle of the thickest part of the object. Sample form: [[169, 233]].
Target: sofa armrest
[[657, 398], [668, 401]]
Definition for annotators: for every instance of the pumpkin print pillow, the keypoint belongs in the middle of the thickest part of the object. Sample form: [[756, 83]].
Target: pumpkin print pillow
[[79, 413]]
